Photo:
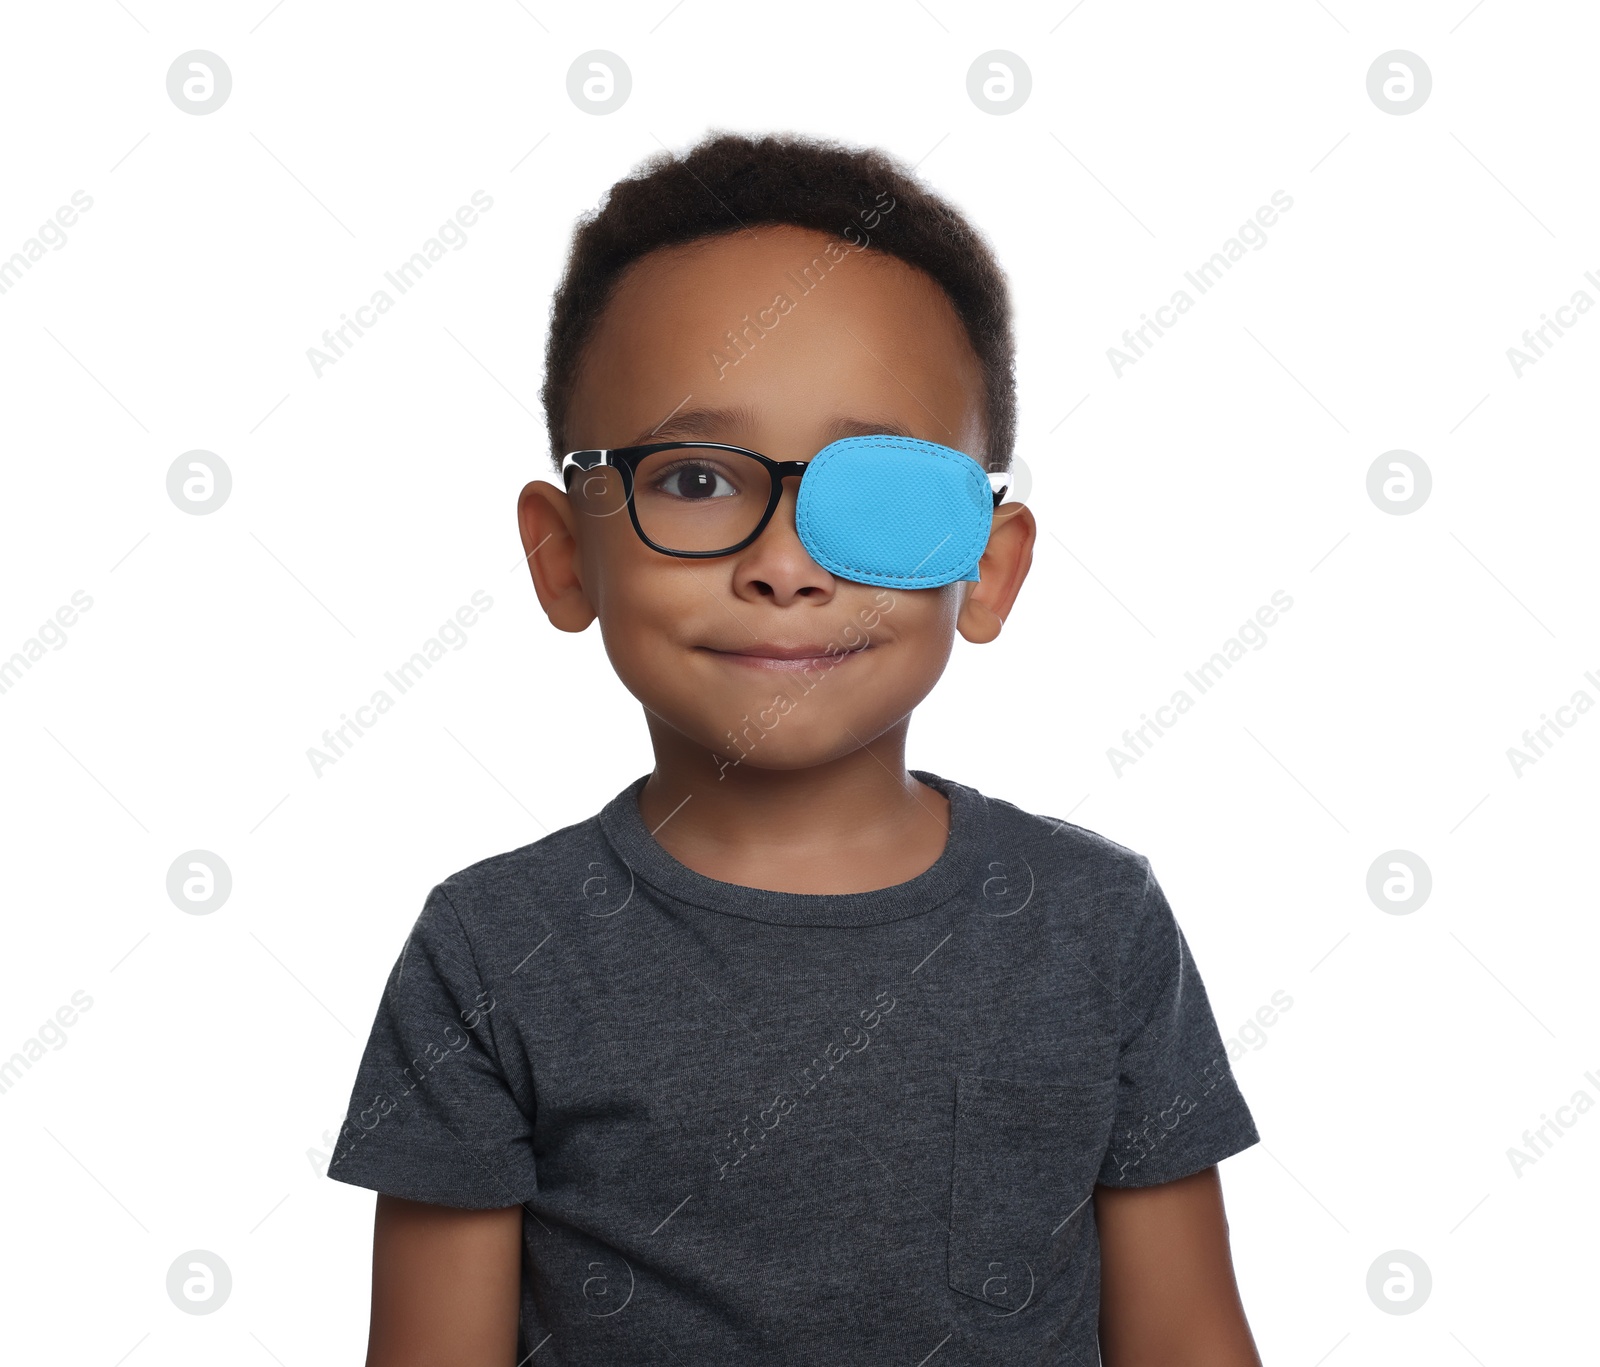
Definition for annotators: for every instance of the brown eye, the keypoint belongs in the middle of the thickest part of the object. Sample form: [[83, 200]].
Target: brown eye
[[699, 499], [693, 480]]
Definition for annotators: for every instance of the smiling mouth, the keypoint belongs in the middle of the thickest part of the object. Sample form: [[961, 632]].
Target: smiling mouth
[[787, 657]]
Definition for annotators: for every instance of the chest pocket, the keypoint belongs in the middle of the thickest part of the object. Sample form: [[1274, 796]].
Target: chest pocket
[[1025, 1161]]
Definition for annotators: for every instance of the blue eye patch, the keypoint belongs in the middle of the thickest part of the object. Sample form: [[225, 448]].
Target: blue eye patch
[[895, 511]]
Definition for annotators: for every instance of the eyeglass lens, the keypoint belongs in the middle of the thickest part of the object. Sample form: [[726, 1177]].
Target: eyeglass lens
[[699, 498]]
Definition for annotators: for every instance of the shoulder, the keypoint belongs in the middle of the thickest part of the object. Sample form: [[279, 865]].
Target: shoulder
[[1100, 893], [507, 893], [1076, 854]]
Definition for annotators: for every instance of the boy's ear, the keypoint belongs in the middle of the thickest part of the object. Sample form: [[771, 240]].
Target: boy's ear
[[550, 546], [1001, 570]]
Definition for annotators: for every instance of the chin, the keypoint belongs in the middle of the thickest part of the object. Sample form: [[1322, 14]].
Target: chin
[[748, 746]]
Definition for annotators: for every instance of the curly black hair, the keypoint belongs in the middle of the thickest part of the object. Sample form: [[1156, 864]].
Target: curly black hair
[[728, 181]]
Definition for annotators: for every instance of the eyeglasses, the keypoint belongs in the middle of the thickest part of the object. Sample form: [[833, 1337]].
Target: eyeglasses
[[703, 499], [689, 498]]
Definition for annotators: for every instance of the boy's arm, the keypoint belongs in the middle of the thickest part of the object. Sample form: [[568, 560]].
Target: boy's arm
[[1167, 1293], [446, 1284]]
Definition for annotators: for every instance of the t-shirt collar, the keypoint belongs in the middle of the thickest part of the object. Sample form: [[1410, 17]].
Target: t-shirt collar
[[951, 873]]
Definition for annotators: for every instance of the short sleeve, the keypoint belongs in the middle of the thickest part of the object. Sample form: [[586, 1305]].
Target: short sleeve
[[1179, 1109], [432, 1116]]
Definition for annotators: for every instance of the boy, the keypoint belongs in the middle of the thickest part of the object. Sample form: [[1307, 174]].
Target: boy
[[792, 1054]]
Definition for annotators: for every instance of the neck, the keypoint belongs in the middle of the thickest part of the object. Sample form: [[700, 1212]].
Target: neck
[[851, 824]]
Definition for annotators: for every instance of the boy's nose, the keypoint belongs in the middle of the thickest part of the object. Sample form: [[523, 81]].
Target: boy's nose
[[776, 564]]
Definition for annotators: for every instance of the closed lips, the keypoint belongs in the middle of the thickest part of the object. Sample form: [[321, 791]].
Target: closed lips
[[788, 657]]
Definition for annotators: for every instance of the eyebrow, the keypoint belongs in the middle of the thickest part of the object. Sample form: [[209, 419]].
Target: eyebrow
[[710, 423]]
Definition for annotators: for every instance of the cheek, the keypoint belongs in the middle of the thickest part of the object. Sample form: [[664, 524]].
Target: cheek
[[620, 572], [920, 618], [933, 634], [638, 605], [918, 626], [928, 630], [616, 586]]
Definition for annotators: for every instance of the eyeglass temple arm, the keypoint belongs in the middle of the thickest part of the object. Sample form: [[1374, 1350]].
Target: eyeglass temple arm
[[582, 460]]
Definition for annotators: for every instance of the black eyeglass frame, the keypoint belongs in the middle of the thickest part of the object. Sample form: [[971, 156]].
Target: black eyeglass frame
[[627, 458]]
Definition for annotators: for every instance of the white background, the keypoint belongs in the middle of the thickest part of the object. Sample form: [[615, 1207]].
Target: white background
[[187, 1108]]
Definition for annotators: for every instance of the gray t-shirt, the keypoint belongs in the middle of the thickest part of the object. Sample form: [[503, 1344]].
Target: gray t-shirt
[[767, 1127]]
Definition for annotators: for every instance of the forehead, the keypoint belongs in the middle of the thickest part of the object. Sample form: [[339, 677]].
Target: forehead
[[792, 329]]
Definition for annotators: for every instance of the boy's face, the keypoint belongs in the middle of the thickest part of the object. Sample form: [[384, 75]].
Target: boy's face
[[874, 346]]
